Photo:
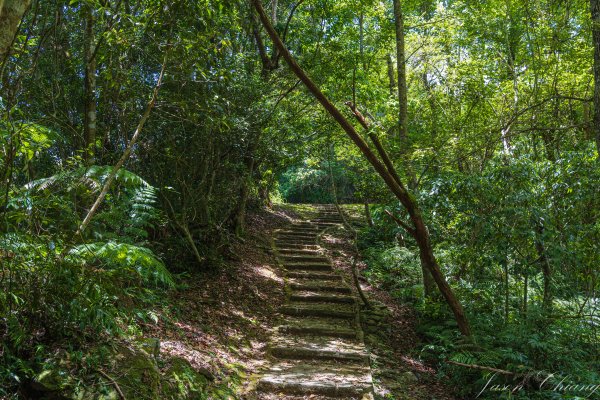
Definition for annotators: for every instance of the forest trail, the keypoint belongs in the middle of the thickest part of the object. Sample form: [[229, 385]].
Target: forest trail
[[318, 347]]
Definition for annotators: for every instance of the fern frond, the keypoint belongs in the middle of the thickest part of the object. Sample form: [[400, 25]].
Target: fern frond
[[92, 177], [123, 257]]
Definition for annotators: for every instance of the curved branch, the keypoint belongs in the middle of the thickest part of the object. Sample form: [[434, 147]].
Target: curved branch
[[402, 224]]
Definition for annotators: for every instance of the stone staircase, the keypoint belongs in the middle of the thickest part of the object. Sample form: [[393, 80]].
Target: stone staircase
[[317, 348]]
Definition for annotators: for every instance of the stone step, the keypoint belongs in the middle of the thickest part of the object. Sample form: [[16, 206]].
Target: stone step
[[296, 246], [341, 311], [318, 348], [302, 226], [310, 297], [298, 233], [296, 236], [301, 229], [306, 231], [284, 242], [314, 276], [301, 240], [319, 286], [293, 238], [307, 266], [318, 326], [305, 258], [324, 379], [300, 252]]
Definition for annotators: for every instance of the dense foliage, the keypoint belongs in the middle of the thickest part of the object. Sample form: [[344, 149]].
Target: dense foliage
[[499, 154]]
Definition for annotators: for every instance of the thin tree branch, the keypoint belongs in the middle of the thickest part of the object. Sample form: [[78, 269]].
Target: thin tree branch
[[287, 24], [114, 383], [483, 368], [401, 223], [378, 146], [111, 177]]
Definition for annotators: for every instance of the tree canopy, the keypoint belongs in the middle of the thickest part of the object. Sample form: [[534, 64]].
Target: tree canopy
[[137, 136]]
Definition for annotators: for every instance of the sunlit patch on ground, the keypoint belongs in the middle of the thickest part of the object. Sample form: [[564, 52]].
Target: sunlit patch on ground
[[222, 322], [268, 273]]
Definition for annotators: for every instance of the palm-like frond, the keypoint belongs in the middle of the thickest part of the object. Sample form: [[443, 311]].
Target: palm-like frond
[[123, 257], [92, 177]]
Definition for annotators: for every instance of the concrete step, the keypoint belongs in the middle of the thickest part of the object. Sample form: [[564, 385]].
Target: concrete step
[[314, 276], [297, 233], [324, 379], [318, 348], [299, 252], [319, 286], [294, 235], [318, 326], [308, 266], [301, 309], [316, 297], [304, 258], [312, 229], [295, 245], [284, 242], [291, 238]]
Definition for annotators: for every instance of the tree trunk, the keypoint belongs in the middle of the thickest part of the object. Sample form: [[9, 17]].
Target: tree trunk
[[11, 13], [545, 266], [506, 290], [390, 72], [420, 232], [361, 39], [89, 103], [428, 282], [595, 9], [239, 216], [402, 89], [274, 11], [368, 214], [525, 294], [402, 94]]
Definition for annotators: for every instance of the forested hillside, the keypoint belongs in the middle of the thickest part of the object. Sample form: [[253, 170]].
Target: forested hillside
[[157, 159]]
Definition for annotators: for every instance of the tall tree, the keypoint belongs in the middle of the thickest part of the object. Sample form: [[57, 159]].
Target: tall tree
[[89, 103], [402, 94], [595, 9], [11, 13], [402, 87]]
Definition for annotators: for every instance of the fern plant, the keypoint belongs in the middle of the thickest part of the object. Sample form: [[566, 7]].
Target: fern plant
[[127, 214], [126, 261]]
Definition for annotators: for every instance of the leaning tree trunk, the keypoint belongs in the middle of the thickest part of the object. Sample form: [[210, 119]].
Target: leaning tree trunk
[[419, 232], [11, 13], [595, 9]]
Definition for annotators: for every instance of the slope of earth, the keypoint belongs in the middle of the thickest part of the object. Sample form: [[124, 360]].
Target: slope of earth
[[221, 321]]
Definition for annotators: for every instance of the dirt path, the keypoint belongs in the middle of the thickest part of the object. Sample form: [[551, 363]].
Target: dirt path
[[317, 348]]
